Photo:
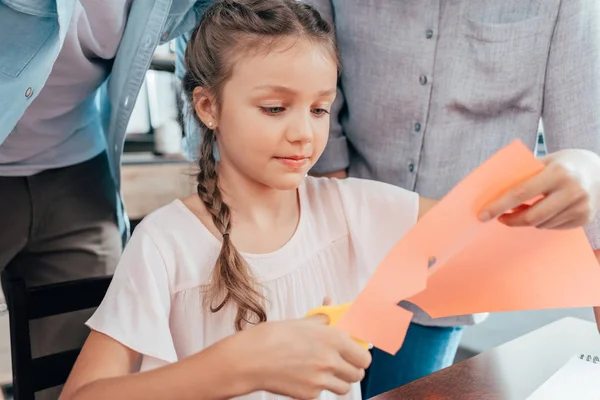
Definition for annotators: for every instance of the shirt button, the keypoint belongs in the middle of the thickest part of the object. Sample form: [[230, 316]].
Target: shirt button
[[28, 92], [417, 127], [423, 80], [429, 34], [165, 36], [411, 167]]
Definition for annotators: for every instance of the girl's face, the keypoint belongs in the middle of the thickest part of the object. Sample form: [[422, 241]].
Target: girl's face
[[273, 122]]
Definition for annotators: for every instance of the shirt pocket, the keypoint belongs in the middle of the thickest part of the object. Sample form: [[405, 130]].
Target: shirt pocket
[[22, 36], [485, 32], [500, 66]]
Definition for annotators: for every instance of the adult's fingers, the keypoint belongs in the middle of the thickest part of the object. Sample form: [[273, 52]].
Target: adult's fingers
[[544, 210], [535, 186], [575, 217]]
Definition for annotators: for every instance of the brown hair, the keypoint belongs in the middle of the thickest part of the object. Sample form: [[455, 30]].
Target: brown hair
[[227, 30]]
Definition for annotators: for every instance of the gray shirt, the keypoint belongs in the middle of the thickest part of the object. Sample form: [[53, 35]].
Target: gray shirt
[[432, 88]]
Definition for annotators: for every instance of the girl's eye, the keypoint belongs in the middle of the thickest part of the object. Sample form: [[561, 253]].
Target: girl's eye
[[320, 111], [272, 110]]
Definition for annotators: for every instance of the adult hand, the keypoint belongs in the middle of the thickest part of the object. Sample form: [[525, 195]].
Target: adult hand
[[570, 186], [301, 358]]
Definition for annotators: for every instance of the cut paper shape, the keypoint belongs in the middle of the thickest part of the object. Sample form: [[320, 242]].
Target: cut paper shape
[[511, 269], [475, 266]]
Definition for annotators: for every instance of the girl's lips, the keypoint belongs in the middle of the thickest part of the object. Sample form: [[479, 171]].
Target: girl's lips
[[293, 162]]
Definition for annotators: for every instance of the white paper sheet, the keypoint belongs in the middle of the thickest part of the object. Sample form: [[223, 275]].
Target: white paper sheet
[[578, 379]]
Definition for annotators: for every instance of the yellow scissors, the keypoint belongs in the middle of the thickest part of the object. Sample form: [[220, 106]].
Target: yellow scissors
[[335, 313]]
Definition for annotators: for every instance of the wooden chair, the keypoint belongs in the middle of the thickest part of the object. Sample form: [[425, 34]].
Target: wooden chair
[[31, 375]]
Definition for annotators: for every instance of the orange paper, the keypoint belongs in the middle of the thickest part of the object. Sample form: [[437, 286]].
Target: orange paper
[[452, 264], [510, 269]]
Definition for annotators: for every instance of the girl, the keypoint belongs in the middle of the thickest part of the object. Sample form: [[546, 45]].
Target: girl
[[260, 240]]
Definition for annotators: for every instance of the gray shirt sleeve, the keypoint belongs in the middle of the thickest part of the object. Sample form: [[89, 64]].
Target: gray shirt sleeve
[[335, 157], [571, 106]]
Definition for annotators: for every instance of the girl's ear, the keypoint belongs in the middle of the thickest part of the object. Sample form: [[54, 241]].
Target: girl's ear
[[205, 107]]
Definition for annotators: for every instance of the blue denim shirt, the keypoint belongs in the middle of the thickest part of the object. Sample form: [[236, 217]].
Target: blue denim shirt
[[31, 36]]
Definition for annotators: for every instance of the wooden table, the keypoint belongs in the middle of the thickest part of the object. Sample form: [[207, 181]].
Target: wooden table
[[511, 371]]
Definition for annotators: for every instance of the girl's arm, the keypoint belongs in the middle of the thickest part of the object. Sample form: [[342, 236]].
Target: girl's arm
[[296, 358], [105, 370], [425, 205]]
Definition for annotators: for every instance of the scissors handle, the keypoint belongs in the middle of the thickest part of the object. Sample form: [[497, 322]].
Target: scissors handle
[[334, 313]]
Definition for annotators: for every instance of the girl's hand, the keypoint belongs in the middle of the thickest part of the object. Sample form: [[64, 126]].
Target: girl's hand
[[301, 358], [570, 186]]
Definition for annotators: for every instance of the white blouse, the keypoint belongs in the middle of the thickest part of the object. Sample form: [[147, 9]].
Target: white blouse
[[154, 304]]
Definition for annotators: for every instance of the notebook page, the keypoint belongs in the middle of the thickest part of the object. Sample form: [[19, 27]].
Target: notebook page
[[578, 379]]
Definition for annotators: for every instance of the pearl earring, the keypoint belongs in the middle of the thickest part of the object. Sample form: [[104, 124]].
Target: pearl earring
[[210, 124]]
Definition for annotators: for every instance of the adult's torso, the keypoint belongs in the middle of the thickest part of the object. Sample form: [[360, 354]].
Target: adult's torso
[[33, 33], [433, 88], [62, 125]]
